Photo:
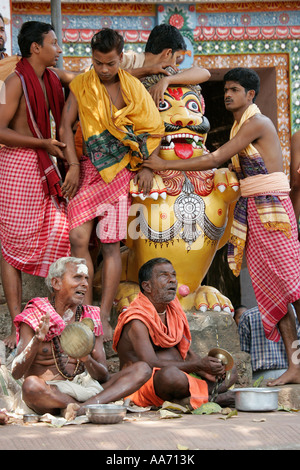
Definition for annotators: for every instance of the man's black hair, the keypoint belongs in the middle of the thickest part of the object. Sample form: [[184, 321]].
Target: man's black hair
[[247, 78], [106, 40], [165, 36], [145, 272], [32, 31]]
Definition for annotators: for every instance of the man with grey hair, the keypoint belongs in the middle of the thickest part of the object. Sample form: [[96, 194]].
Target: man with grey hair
[[55, 382]]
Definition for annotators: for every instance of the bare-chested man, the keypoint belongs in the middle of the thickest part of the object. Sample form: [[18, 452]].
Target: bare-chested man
[[264, 220], [33, 222], [53, 380], [120, 125], [154, 329], [295, 175]]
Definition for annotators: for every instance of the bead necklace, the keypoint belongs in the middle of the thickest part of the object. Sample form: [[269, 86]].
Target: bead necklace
[[57, 355]]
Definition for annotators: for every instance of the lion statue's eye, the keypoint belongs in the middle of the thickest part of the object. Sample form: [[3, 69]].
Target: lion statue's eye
[[163, 106], [193, 105]]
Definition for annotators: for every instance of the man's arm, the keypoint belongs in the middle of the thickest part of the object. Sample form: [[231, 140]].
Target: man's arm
[[95, 363], [28, 346], [11, 138], [142, 72], [138, 335], [65, 76], [144, 177], [191, 76], [294, 174], [68, 119], [250, 131]]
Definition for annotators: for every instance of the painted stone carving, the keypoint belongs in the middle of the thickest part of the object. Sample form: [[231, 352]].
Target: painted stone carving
[[187, 216]]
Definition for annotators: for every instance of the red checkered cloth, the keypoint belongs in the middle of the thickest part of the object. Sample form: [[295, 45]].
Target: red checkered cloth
[[274, 265], [108, 202], [39, 306], [38, 118], [34, 232]]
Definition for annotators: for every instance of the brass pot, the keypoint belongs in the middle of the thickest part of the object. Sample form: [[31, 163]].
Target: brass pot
[[78, 339]]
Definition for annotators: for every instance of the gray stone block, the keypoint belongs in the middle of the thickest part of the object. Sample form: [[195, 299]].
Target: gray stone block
[[213, 329]]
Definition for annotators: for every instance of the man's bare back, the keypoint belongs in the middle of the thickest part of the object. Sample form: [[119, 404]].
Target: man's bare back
[[265, 141]]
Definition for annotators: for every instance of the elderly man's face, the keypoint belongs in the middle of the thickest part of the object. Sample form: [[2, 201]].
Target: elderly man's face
[[163, 283], [73, 285], [2, 35]]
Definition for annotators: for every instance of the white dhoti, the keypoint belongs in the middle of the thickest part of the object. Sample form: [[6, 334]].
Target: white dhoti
[[82, 387]]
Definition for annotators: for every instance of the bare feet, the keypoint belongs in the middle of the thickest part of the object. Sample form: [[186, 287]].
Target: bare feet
[[290, 376], [70, 412], [10, 341], [226, 399], [107, 331], [3, 418]]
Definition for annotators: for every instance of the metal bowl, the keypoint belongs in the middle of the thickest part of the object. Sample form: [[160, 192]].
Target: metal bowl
[[105, 414], [256, 399], [31, 418]]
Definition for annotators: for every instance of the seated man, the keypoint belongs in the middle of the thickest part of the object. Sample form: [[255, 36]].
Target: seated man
[[54, 382], [268, 359], [154, 329]]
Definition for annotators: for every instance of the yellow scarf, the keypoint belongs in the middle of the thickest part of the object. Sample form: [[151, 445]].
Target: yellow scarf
[[115, 138], [250, 149]]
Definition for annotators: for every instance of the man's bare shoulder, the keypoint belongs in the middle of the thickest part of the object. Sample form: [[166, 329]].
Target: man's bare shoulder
[[135, 325], [259, 120], [258, 125], [12, 79]]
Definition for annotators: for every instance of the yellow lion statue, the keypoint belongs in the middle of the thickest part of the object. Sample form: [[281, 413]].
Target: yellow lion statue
[[187, 215]]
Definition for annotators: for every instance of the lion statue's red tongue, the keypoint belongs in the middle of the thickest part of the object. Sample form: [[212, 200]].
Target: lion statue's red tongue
[[183, 151]]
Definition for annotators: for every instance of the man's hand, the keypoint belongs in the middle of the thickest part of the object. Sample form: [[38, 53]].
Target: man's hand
[[54, 147], [155, 163], [210, 368], [144, 180], [157, 91], [43, 328], [70, 185]]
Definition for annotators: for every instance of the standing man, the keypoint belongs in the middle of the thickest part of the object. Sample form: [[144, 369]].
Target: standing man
[[121, 126], [264, 221], [295, 175], [33, 223]]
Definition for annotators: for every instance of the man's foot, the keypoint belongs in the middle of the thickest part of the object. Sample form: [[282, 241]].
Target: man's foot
[[107, 331], [226, 399], [3, 418], [10, 341], [70, 412], [291, 376]]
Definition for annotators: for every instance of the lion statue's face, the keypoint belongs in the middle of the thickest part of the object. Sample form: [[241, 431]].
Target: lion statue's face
[[186, 127]]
